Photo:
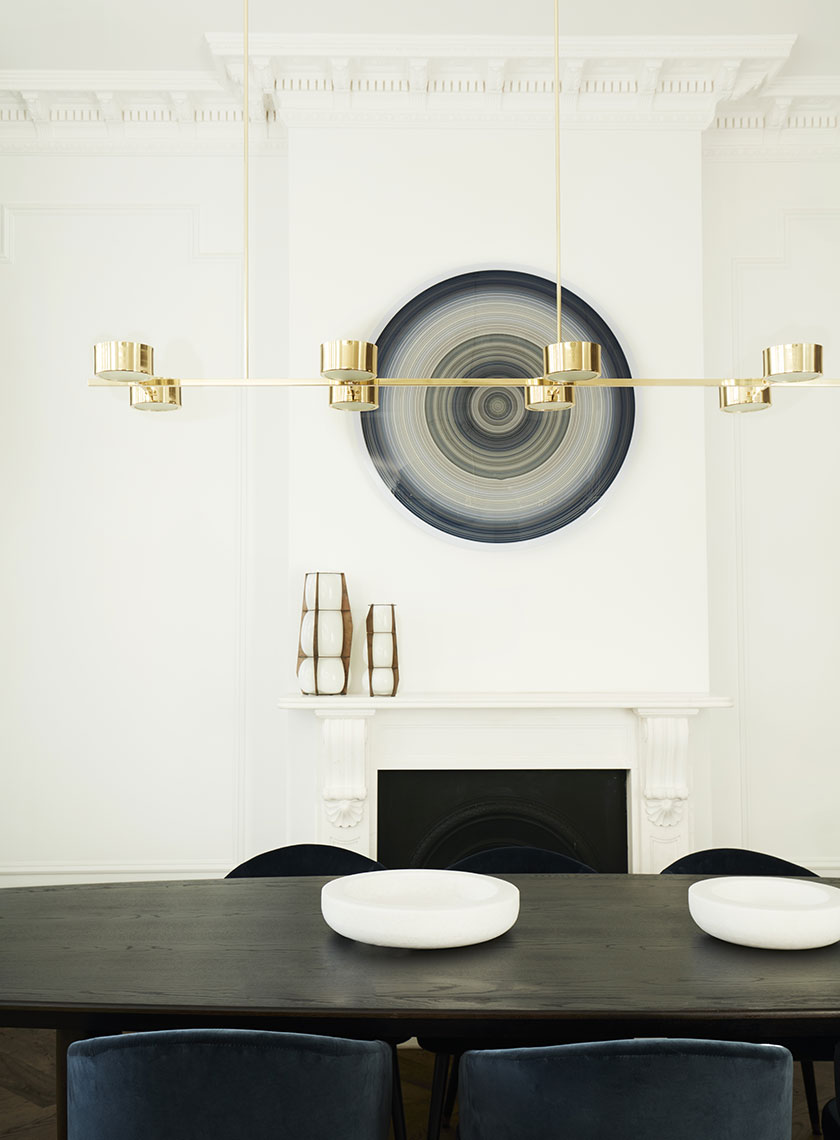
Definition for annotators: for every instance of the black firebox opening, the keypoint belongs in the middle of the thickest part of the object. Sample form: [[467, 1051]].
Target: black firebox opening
[[433, 818]]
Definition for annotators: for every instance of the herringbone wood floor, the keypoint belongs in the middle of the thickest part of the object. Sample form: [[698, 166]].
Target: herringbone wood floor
[[27, 1088]]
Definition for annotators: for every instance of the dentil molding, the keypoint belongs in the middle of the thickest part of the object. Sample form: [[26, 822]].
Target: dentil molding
[[720, 84]]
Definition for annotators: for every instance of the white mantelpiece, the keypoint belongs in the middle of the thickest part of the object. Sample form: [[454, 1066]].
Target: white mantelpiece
[[646, 734]]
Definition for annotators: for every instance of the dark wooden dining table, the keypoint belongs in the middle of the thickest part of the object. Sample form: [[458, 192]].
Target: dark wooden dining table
[[590, 957]]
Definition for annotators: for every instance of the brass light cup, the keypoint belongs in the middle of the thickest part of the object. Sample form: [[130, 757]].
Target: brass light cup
[[793, 362], [744, 398], [571, 361], [549, 397], [348, 360], [125, 360], [156, 397], [354, 397]]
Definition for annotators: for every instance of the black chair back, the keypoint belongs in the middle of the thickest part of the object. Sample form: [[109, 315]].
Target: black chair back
[[734, 861], [304, 859]]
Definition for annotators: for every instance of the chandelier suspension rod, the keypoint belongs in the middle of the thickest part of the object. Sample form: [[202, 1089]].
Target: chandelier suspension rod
[[246, 243], [557, 161], [349, 367]]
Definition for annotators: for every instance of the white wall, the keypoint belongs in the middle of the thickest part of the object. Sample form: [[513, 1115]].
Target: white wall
[[617, 600], [152, 566], [772, 236], [129, 552]]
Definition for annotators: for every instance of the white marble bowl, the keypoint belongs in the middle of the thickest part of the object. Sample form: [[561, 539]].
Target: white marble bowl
[[767, 912], [420, 909]]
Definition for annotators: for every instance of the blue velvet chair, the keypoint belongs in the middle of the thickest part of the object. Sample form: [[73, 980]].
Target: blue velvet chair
[[628, 1090], [227, 1084], [311, 859], [741, 861], [831, 1113], [492, 861], [304, 859], [734, 861], [831, 1120]]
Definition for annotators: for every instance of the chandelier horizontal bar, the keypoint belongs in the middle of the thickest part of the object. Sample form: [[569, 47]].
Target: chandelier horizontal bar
[[466, 382]]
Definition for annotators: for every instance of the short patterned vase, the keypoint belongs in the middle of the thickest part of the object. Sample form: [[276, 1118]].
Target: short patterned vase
[[380, 651], [326, 632]]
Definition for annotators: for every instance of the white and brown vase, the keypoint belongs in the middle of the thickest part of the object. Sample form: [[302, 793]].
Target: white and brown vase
[[326, 631], [380, 651]]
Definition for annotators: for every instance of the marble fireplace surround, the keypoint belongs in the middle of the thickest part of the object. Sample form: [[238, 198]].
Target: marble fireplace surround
[[645, 734]]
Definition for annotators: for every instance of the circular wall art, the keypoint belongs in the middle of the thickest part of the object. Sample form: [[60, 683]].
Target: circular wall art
[[473, 462]]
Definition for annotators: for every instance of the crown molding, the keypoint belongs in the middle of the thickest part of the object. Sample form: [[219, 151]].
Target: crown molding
[[174, 145], [717, 148], [721, 85], [386, 46], [675, 81], [805, 86], [478, 118], [88, 81]]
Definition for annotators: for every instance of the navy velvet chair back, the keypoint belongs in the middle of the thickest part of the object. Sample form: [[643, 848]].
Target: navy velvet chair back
[[734, 861], [521, 861], [831, 1120], [304, 859], [227, 1084], [628, 1090], [831, 1113], [741, 861]]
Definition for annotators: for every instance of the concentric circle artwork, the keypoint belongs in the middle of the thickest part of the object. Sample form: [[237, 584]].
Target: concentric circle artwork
[[473, 462]]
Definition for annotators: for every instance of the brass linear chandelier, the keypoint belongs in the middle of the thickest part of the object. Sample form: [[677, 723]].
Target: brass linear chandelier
[[349, 367]]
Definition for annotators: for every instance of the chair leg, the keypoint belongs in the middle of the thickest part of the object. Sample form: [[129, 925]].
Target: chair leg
[[438, 1092], [811, 1095], [451, 1089], [397, 1108]]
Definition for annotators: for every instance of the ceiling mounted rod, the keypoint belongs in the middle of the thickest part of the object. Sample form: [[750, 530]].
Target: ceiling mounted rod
[[349, 367], [246, 237], [565, 363], [557, 165]]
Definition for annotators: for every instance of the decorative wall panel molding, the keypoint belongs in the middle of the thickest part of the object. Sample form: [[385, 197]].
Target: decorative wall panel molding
[[38, 873], [191, 213], [187, 220], [728, 84], [791, 147], [782, 238]]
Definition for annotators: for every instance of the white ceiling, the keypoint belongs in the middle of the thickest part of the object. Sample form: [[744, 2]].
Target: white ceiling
[[169, 34]]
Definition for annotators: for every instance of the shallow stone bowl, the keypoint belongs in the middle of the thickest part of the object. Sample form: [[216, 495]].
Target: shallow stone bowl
[[767, 912], [420, 909]]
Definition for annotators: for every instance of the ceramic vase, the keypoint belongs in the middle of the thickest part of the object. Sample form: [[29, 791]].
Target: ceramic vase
[[380, 651], [326, 631]]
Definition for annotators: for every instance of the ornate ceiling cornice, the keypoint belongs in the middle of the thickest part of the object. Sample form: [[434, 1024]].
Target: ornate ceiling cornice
[[716, 84]]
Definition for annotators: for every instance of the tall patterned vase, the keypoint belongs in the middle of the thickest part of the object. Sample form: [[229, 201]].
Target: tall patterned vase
[[326, 631]]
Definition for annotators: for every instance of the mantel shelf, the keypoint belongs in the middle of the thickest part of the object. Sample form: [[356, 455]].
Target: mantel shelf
[[359, 703]]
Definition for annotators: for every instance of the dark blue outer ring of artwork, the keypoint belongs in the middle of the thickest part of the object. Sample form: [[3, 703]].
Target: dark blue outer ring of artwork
[[563, 509]]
